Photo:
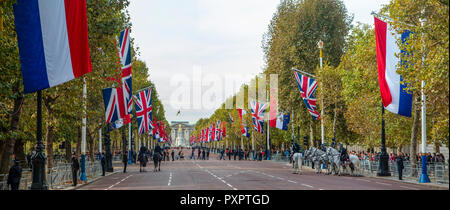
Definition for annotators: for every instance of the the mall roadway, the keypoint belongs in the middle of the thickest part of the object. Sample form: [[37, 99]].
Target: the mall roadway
[[238, 175]]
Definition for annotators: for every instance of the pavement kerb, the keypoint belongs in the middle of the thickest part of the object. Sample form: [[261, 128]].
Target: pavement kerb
[[89, 182]]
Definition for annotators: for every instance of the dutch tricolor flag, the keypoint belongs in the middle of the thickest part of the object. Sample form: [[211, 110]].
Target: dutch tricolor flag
[[53, 42], [394, 97]]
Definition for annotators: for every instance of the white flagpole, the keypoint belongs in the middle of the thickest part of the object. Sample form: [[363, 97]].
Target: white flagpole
[[268, 128], [83, 134], [320, 44], [100, 141], [129, 143]]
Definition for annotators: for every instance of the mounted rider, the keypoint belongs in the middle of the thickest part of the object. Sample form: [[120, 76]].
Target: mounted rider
[[142, 157], [297, 157], [343, 151]]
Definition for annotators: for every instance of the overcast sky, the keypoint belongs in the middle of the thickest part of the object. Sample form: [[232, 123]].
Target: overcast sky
[[218, 38]]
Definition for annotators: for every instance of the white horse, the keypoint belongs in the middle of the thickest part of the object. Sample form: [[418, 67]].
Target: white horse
[[354, 163], [335, 160], [298, 163], [317, 156]]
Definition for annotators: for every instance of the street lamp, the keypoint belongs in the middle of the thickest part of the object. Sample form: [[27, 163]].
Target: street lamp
[[320, 46], [383, 169]]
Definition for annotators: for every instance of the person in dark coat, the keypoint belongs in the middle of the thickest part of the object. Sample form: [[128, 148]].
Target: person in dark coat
[[75, 168], [103, 163], [14, 175], [125, 162], [399, 161], [203, 155], [207, 154], [29, 159], [199, 153], [173, 155]]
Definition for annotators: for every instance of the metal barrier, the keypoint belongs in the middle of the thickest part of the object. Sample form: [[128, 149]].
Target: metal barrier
[[58, 177]]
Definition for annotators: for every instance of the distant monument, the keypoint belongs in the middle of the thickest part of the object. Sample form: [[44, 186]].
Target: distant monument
[[181, 131]]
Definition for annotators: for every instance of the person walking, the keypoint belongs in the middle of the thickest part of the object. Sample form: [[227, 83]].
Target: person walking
[[14, 175], [173, 154], [199, 153], [207, 154], [103, 163], [400, 166], [29, 159], [125, 162], [75, 168], [203, 154]]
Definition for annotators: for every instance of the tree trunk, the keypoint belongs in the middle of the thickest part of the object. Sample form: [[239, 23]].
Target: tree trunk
[[334, 121], [20, 152], [414, 133], [68, 150], [78, 150], [90, 146], [8, 147], [50, 136]]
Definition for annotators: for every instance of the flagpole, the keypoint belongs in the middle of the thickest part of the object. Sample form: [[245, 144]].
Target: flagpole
[[268, 128], [83, 134], [424, 176], [100, 142], [320, 44], [305, 73], [129, 143]]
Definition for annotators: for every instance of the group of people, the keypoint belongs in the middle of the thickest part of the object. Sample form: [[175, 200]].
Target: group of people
[[202, 153]]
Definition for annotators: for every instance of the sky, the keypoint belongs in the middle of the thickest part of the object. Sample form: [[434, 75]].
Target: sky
[[199, 52]]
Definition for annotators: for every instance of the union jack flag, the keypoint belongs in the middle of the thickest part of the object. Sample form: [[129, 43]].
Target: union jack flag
[[125, 91], [143, 105], [110, 99], [218, 131], [258, 110], [307, 87]]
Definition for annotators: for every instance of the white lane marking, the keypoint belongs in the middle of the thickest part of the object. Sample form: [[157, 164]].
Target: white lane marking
[[411, 188], [384, 183], [118, 182], [321, 189], [220, 179], [292, 181], [307, 185], [170, 179]]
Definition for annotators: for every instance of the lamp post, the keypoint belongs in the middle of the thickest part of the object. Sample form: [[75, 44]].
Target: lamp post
[[108, 153], [383, 169], [83, 135], [38, 159], [320, 46]]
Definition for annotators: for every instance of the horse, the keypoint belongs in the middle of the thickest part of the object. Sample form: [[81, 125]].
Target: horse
[[143, 159], [157, 161], [297, 161], [354, 163], [335, 160], [317, 156]]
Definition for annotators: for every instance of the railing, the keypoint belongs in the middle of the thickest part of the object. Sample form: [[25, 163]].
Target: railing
[[437, 172], [58, 177]]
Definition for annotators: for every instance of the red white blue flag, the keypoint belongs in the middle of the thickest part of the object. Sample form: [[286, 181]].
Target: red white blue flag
[[53, 42], [143, 105], [394, 97], [307, 87]]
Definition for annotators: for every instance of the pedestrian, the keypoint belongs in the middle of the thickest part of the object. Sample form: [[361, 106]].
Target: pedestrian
[[400, 166], [103, 163], [192, 154], [203, 154], [125, 162], [207, 154], [29, 159], [75, 168], [173, 154], [199, 153], [14, 175]]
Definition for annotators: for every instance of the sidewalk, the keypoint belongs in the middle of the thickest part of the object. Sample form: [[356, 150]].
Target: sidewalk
[[392, 178]]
